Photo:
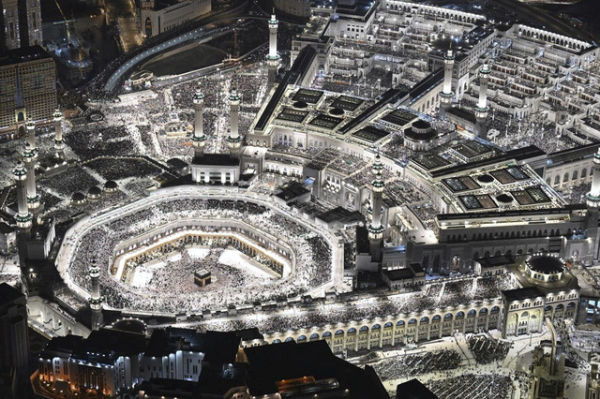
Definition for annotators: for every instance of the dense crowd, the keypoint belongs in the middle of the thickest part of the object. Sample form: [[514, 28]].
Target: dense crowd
[[114, 168], [418, 363], [472, 386], [487, 350], [313, 256]]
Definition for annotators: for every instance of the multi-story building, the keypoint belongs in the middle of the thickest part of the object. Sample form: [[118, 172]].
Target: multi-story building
[[111, 361], [14, 341], [21, 24], [593, 378], [27, 89], [299, 8], [158, 16]]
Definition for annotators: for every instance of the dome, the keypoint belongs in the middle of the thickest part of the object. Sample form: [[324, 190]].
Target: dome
[[485, 179], [336, 111], [504, 199], [544, 268], [78, 198], [110, 186], [94, 192], [421, 125], [300, 104], [420, 131], [545, 264]]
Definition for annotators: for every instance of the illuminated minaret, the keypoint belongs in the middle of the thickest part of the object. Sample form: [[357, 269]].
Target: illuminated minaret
[[199, 138], [96, 297], [446, 94], [593, 197], [377, 166], [58, 140], [23, 217], [273, 27], [375, 228], [30, 125], [273, 57], [29, 157], [234, 140], [481, 111]]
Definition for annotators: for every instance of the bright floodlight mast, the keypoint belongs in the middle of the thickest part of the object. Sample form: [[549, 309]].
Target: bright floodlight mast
[[23, 217], [29, 157]]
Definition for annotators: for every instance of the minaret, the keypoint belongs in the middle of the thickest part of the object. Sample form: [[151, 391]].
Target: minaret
[[273, 58], [593, 197], [23, 217], [96, 298], [591, 254], [446, 94], [273, 27], [234, 140], [199, 138], [29, 157], [30, 125], [377, 166], [58, 140], [375, 227], [481, 111]]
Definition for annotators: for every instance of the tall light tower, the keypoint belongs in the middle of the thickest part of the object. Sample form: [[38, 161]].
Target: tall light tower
[[199, 139], [273, 58], [23, 217], [481, 111], [29, 157], [446, 94], [375, 228], [234, 140], [96, 297], [58, 135]]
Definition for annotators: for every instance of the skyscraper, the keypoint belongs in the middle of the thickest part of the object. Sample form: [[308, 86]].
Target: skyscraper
[[27, 88], [20, 24]]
